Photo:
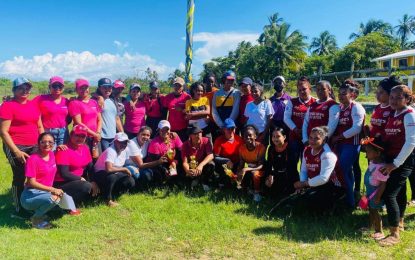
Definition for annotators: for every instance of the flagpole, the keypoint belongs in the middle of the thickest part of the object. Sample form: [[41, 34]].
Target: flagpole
[[189, 39]]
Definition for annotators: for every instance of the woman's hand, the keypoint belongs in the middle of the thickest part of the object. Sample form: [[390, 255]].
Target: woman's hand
[[269, 181], [298, 185], [83, 179], [62, 147], [21, 156], [198, 170], [97, 137], [127, 171], [388, 168], [57, 192], [162, 160]]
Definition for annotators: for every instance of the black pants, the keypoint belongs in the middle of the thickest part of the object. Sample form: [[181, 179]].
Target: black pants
[[111, 183], [412, 183], [395, 191], [207, 174], [283, 185], [357, 172], [18, 172], [295, 153], [78, 190]]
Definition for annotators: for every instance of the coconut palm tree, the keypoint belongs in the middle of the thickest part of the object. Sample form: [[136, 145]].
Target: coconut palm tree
[[405, 28], [284, 47], [372, 26], [325, 44], [274, 21]]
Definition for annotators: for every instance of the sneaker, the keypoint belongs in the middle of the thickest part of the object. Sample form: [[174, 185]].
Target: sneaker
[[194, 183], [206, 188], [257, 197], [75, 212]]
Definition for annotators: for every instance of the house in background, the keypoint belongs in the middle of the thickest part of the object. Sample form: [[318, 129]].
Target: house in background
[[404, 61]]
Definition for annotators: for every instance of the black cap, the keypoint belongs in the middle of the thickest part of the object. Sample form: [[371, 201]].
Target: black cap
[[246, 81], [104, 82], [154, 84], [193, 129]]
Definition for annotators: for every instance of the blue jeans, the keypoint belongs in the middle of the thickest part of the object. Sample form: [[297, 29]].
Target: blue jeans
[[347, 155], [61, 135], [39, 201]]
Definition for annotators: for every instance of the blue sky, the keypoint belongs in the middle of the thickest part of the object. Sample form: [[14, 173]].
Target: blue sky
[[93, 38]]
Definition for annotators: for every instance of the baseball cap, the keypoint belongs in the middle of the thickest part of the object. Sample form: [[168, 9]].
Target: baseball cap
[[20, 81], [56, 79], [135, 85], [246, 81], [80, 83], [79, 130], [178, 80], [193, 129], [229, 123], [121, 137], [279, 77], [154, 84], [104, 82], [163, 123], [229, 75], [119, 84]]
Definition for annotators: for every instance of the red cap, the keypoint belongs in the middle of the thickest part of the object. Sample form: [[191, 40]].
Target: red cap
[[79, 130], [56, 79], [81, 82], [118, 84]]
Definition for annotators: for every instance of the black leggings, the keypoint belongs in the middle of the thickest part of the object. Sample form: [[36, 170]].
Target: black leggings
[[206, 175], [78, 190], [18, 170], [412, 184], [110, 183], [357, 172], [395, 192]]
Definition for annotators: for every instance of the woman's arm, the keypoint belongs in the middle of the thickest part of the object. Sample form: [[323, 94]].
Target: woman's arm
[[110, 168], [36, 185], [7, 139], [118, 123], [358, 116], [66, 174], [328, 162], [334, 113], [288, 112], [40, 126], [305, 126]]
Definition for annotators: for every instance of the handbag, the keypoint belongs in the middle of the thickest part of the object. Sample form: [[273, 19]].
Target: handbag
[[364, 201]]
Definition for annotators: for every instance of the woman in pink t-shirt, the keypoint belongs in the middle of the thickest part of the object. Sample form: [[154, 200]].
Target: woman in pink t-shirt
[[54, 110], [39, 195], [86, 112], [75, 166], [135, 112], [20, 126]]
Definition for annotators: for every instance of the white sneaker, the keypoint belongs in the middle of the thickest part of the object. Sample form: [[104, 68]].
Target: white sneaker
[[206, 188], [257, 197], [194, 183]]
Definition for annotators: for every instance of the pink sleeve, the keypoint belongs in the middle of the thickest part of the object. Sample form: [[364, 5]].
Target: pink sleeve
[[87, 154], [178, 143], [152, 148], [377, 175], [62, 158], [99, 108], [30, 168], [74, 108], [6, 111]]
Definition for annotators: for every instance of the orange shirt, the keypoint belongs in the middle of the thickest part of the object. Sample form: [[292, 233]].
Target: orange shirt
[[209, 95], [254, 156]]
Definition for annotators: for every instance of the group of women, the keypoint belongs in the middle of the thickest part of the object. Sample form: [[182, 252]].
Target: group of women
[[217, 137]]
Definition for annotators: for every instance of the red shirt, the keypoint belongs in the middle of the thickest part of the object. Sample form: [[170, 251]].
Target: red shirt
[[319, 114], [379, 119], [24, 121], [200, 152], [245, 99], [224, 148], [345, 123], [298, 112], [176, 117], [153, 106], [394, 134]]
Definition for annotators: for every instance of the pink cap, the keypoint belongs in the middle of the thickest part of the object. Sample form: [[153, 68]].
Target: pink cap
[[118, 84], [79, 130], [56, 79], [81, 82]]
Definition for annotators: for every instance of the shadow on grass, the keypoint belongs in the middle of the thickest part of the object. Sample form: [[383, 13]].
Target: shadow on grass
[[6, 210]]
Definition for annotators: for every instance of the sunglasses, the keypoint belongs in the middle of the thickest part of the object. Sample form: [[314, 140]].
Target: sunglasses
[[47, 142], [57, 86]]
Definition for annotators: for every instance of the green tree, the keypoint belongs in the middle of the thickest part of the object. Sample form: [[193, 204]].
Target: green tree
[[372, 26], [325, 44], [176, 73], [404, 29], [274, 21]]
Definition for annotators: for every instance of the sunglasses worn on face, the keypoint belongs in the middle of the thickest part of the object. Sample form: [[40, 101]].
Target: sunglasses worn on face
[[57, 86], [47, 142]]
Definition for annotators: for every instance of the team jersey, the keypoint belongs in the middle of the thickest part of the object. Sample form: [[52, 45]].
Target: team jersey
[[379, 119]]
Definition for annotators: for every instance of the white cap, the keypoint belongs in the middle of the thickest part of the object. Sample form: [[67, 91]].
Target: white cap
[[279, 77], [163, 123], [121, 137]]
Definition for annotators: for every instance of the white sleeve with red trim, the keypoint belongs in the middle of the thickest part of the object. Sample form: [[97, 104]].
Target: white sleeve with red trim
[[409, 145], [358, 116], [328, 162], [305, 125], [288, 114], [303, 170], [334, 113]]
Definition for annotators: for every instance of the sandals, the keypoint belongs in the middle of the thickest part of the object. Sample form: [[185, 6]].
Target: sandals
[[43, 224], [377, 236], [389, 241]]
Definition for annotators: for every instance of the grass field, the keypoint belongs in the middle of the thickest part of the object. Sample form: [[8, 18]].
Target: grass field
[[171, 224]]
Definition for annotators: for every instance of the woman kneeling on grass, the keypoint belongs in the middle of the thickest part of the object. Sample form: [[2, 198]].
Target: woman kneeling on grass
[[110, 173], [74, 166], [399, 138], [39, 195], [252, 153], [318, 173]]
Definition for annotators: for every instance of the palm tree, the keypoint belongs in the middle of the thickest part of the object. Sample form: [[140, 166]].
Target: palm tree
[[285, 48], [405, 28], [372, 26], [274, 21], [325, 44]]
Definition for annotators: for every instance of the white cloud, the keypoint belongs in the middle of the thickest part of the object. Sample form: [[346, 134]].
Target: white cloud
[[219, 44], [72, 65], [120, 45], [182, 66]]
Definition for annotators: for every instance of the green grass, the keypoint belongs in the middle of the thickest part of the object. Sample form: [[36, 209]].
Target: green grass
[[174, 224]]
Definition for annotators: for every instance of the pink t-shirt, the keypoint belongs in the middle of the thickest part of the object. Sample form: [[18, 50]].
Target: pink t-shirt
[[176, 117], [376, 177], [76, 159], [43, 171], [158, 147], [24, 118], [89, 112], [134, 116], [53, 115]]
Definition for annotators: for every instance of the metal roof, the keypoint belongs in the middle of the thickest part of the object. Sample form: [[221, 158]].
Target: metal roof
[[401, 54]]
